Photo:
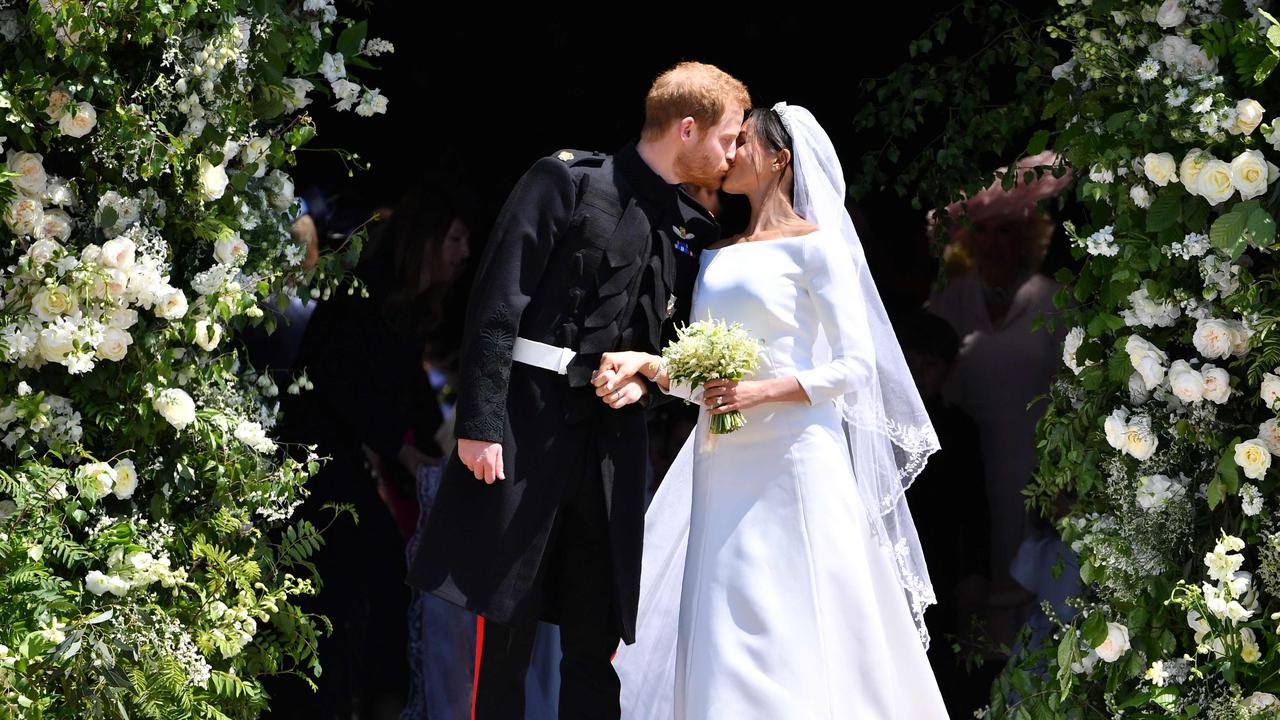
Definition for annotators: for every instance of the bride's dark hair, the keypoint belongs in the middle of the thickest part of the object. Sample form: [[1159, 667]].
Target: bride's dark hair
[[770, 129]]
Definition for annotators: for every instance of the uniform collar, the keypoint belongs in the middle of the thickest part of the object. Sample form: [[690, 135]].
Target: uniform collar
[[642, 177]]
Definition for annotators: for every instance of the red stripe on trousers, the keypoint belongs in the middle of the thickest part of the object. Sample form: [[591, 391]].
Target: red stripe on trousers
[[475, 682]]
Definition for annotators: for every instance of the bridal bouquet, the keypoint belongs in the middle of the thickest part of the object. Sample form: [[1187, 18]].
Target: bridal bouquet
[[713, 350]]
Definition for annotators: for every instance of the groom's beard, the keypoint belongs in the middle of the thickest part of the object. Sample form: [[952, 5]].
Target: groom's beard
[[705, 169]]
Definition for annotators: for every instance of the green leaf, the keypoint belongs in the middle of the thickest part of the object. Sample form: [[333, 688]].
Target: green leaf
[[1216, 493], [1038, 143], [1095, 629], [1227, 233], [1164, 211], [1262, 228], [350, 40]]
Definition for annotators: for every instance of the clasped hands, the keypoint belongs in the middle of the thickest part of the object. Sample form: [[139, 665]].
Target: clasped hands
[[618, 384]]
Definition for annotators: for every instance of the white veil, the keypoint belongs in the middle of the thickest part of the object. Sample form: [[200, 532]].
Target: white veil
[[890, 439]]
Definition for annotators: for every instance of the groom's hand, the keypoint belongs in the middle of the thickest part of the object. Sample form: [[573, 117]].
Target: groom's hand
[[619, 392], [482, 458], [624, 364]]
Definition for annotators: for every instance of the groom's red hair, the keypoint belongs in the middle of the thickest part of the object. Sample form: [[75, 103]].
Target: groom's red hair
[[691, 89]]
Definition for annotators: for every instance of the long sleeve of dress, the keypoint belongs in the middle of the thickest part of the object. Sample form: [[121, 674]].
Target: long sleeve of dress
[[833, 286], [536, 212]]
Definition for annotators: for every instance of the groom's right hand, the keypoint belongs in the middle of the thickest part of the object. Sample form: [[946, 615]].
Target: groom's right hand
[[483, 458]]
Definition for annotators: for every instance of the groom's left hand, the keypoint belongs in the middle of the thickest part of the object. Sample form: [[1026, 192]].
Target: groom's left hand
[[619, 393]]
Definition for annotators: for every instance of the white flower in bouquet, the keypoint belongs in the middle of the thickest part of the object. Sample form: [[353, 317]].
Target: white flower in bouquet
[[333, 67], [252, 434], [1213, 338], [208, 333], [1147, 312], [54, 225], [1101, 174], [1249, 174], [175, 406], [1171, 14], [346, 93], [118, 253], [1138, 392], [1102, 242], [1157, 674], [32, 178], [230, 250], [712, 350], [1248, 117], [1213, 183], [51, 303], [1270, 390], [171, 304], [1160, 168], [213, 180], [122, 318], [1116, 643], [373, 103], [126, 479], [24, 215], [1075, 338], [1085, 665], [1156, 491], [96, 480], [43, 251], [58, 192], [1250, 499], [1140, 196], [1269, 434], [281, 187], [1147, 359], [1260, 702], [56, 103], [1186, 382], [79, 122], [254, 152], [115, 344], [297, 99], [98, 583], [1253, 457], [127, 211], [1189, 171], [1115, 427], [1140, 441], [1217, 384]]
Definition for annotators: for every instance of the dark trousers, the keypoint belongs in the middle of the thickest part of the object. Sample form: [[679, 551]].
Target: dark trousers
[[576, 578]]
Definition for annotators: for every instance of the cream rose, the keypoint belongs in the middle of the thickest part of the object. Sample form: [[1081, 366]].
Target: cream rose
[[213, 180], [208, 333], [175, 406], [1213, 183], [1249, 174], [115, 344], [1116, 644], [55, 225], [126, 479], [96, 480], [118, 253], [1253, 457], [24, 215], [1171, 14], [1270, 391], [79, 122], [57, 104], [1139, 441], [1269, 434], [1248, 117], [1186, 382], [32, 179], [1212, 338], [171, 304], [51, 303], [1160, 168], [1217, 384], [42, 251], [1192, 163], [230, 250]]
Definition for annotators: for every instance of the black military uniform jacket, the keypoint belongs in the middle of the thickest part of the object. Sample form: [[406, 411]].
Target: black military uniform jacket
[[597, 254]]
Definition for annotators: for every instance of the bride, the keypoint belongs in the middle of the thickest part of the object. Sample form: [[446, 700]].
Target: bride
[[782, 575]]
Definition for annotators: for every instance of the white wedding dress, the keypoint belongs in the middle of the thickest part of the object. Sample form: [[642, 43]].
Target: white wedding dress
[[787, 606]]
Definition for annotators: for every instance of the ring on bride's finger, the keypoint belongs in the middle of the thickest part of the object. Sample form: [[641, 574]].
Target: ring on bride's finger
[[719, 401]]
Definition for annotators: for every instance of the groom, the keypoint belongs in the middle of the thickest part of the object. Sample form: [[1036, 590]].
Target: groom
[[541, 510]]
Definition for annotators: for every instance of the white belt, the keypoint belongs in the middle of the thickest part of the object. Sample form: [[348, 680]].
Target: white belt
[[550, 357]]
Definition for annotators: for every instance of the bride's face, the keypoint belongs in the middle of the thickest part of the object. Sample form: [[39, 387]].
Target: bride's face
[[753, 164]]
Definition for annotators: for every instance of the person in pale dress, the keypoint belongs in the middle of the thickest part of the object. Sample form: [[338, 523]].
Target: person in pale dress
[[782, 576]]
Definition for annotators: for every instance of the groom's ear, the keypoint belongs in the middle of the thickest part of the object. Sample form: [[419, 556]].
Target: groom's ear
[[687, 127]]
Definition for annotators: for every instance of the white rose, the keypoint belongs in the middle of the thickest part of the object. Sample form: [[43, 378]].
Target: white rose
[[208, 334], [1140, 196], [126, 479], [1248, 117], [1075, 338], [1189, 171], [118, 253], [1116, 644], [1213, 338], [96, 583], [123, 318], [1160, 168], [58, 100], [1240, 337], [213, 180], [175, 406], [51, 303], [1253, 457], [1139, 441], [281, 186], [115, 344], [1171, 14], [96, 479], [1270, 391], [171, 304], [31, 179], [79, 122], [42, 251], [1217, 384], [1186, 382], [55, 225], [1259, 701], [230, 250], [1138, 392], [1213, 183], [1269, 434], [1249, 174], [24, 215], [252, 434], [1115, 427]]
